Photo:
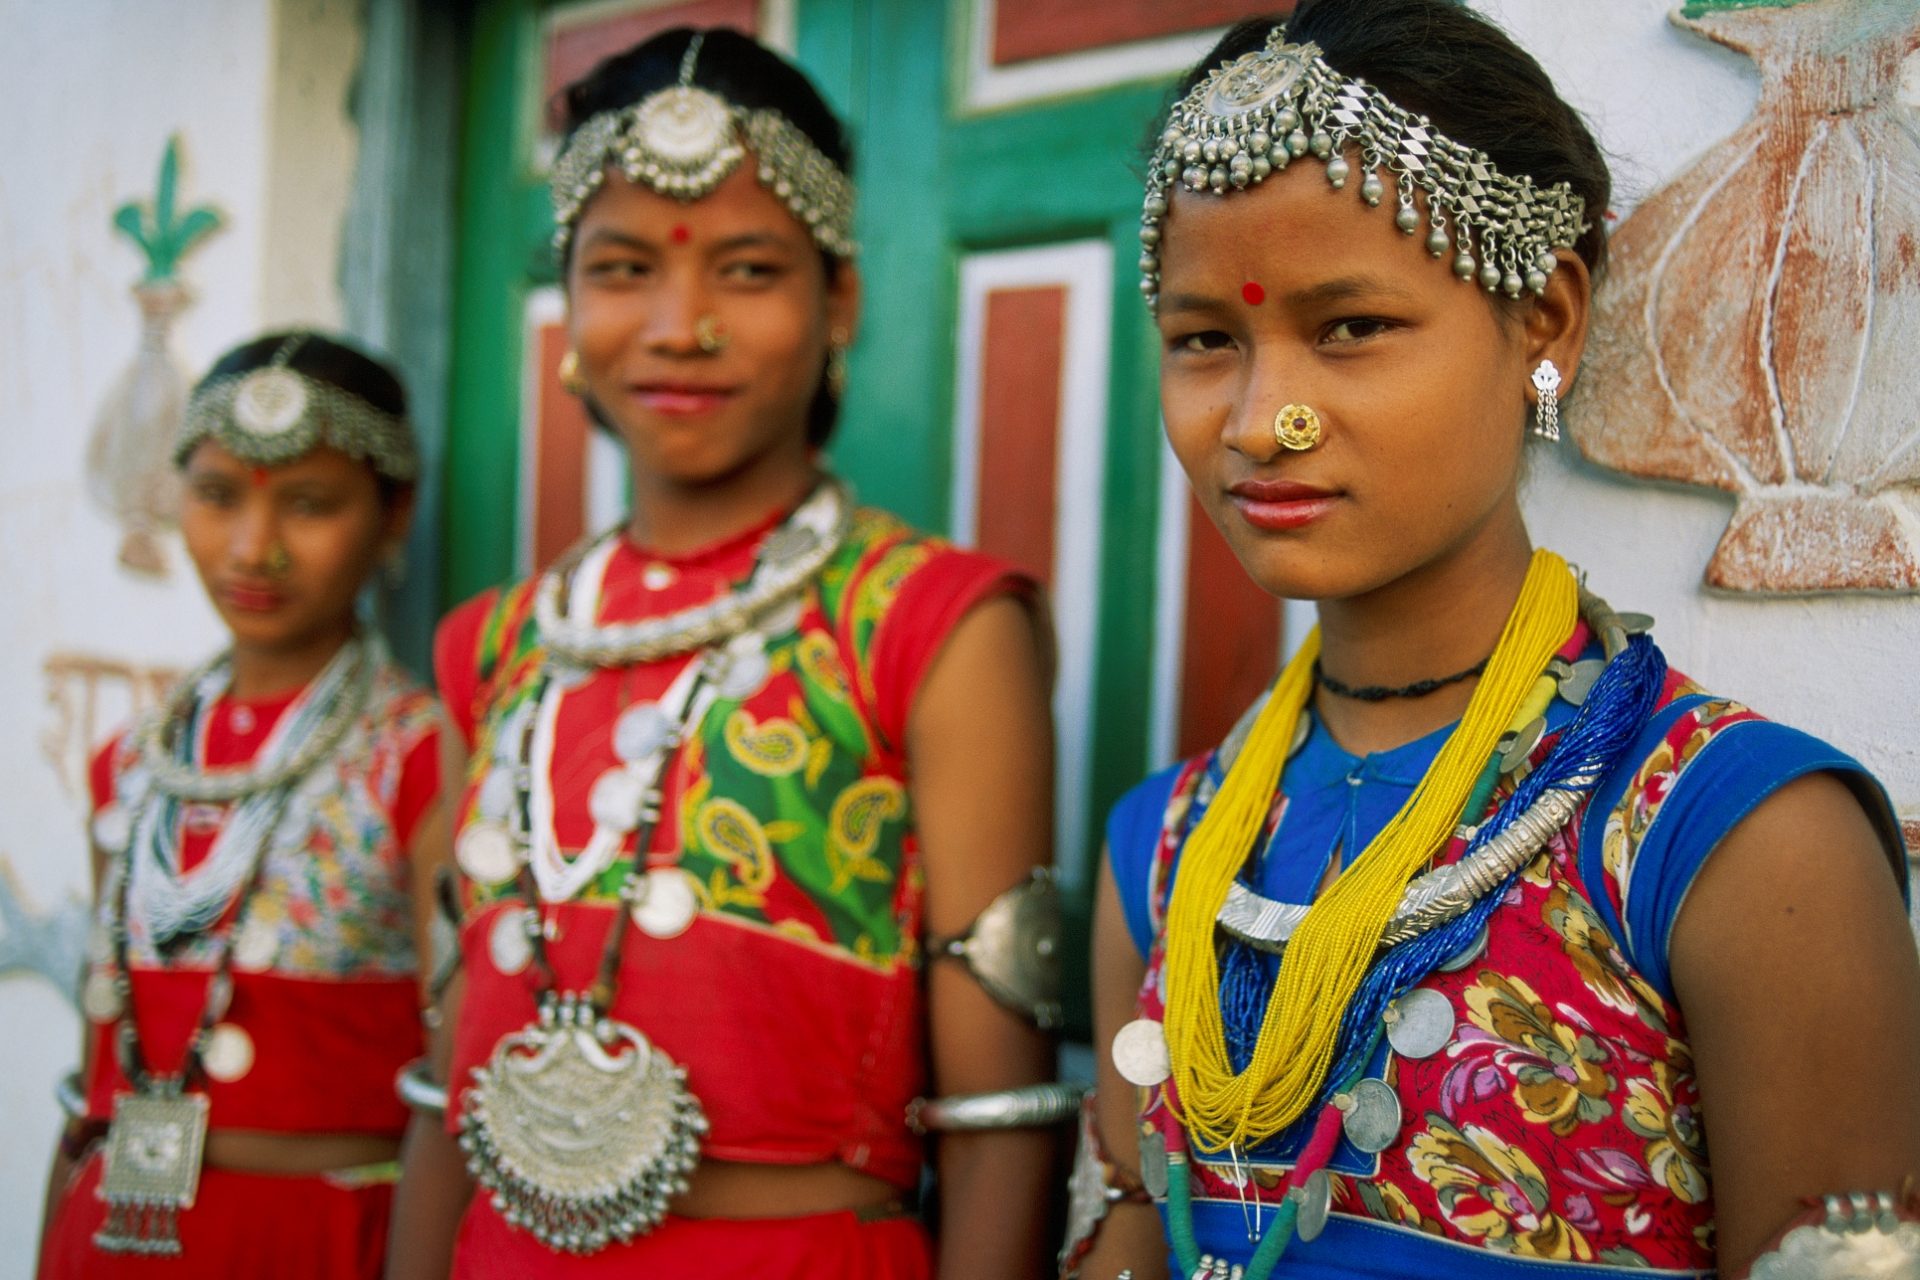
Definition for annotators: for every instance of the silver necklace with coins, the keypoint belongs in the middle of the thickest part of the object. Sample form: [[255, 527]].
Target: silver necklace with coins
[[165, 788], [157, 1135], [1421, 1021], [579, 1126]]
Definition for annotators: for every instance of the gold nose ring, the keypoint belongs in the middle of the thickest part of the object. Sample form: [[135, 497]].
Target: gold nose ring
[[710, 334], [279, 561], [1297, 427]]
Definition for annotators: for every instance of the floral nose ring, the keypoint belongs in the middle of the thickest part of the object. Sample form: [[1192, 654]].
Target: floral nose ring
[[1297, 427]]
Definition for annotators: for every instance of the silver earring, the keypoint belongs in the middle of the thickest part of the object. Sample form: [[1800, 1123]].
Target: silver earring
[[1546, 414]]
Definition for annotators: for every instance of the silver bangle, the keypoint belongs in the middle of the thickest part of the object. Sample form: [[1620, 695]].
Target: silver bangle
[[71, 1097], [419, 1090], [1032, 1106]]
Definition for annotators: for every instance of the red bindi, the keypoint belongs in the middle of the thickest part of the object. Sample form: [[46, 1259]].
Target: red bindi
[[259, 477], [680, 233], [1253, 293]]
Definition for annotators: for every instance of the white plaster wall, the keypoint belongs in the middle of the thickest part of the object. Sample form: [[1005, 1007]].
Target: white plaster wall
[[1840, 667], [89, 92]]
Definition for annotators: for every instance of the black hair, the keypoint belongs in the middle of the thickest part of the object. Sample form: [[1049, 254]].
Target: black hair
[[745, 73], [327, 360], [1440, 59]]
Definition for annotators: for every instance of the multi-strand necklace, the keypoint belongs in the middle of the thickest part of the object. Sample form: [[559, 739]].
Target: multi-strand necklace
[[579, 1126], [158, 1131], [1438, 921]]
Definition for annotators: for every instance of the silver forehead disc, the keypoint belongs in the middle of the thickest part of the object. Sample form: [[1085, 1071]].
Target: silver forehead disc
[[1467, 954], [1578, 683], [666, 904], [1315, 1198], [487, 853], [1140, 1053], [229, 1053], [100, 998], [270, 402], [112, 829], [1522, 746], [1153, 1164], [508, 944], [683, 125], [641, 730], [1373, 1121], [1420, 1023], [1255, 79], [257, 943], [615, 800]]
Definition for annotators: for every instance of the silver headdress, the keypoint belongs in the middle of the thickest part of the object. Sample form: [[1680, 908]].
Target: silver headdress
[[684, 141], [1255, 115], [273, 415]]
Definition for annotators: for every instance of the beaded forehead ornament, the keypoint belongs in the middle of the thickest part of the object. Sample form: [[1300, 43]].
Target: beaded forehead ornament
[[268, 417], [1257, 114], [684, 141]]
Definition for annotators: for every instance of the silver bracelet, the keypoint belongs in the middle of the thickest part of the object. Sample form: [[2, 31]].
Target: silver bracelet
[[1032, 1106], [419, 1090]]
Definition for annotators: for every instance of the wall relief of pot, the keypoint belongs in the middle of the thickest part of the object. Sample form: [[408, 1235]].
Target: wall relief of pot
[[1760, 330]]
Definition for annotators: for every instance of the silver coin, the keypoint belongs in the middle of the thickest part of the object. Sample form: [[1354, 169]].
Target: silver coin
[[667, 905], [641, 730], [487, 853], [497, 794], [1635, 623], [1467, 954], [508, 944], [1372, 1121], [1420, 1023], [1153, 1164], [1140, 1053], [112, 829], [615, 800], [1315, 1198], [1579, 680], [1516, 752], [100, 998], [745, 669], [256, 945], [229, 1053]]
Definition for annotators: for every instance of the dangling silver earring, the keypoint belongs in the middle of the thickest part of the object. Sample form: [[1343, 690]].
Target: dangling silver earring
[[1546, 414]]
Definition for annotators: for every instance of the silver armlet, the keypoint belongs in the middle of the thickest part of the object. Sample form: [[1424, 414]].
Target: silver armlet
[[419, 1090], [1862, 1236], [71, 1097], [1012, 948], [1032, 1106]]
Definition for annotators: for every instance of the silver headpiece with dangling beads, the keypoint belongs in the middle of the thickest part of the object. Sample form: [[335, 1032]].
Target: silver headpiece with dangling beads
[[684, 142], [268, 417], [1260, 112]]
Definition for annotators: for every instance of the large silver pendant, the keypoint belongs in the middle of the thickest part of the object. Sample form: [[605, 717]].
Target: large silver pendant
[[154, 1144], [581, 1131]]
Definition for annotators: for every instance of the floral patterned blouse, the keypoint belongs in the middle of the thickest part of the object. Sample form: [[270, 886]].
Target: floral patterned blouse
[[1560, 1131]]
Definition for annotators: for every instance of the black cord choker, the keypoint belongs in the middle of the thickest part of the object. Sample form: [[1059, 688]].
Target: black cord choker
[[1381, 692]]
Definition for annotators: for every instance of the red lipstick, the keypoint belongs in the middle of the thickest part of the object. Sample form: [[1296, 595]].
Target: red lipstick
[[249, 598], [681, 399], [1279, 505]]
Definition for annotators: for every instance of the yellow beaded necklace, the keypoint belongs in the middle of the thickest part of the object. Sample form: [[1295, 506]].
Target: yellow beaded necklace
[[1329, 953]]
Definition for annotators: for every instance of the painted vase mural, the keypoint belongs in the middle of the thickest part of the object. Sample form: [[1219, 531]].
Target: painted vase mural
[[1760, 329], [129, 464]]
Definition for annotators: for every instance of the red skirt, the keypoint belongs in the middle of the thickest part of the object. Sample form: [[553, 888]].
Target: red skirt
[[242, 1226], [824, 1246]]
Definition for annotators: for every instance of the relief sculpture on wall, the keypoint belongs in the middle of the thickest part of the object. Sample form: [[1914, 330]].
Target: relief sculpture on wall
[[1760, 327]]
